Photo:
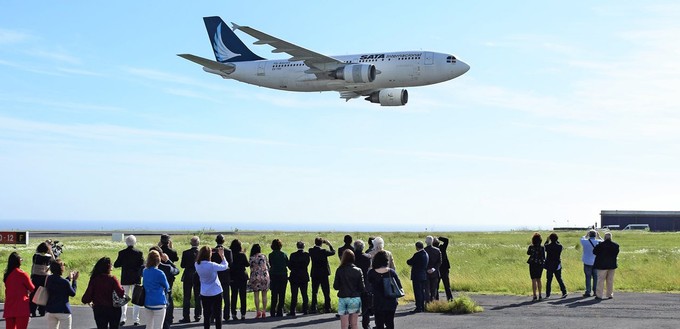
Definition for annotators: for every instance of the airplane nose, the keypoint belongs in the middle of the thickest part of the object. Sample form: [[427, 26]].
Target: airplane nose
[[461, 67]]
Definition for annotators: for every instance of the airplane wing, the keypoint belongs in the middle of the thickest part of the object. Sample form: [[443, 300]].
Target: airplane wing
[[223, 67], [319, 63]]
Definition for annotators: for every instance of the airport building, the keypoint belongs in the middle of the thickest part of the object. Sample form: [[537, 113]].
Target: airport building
[[658, 221]]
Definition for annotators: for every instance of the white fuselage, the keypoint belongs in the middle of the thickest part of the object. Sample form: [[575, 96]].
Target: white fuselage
[[397, 69]]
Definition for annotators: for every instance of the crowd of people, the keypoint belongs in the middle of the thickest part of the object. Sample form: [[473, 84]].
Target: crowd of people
[[217, 280], [599, 264]]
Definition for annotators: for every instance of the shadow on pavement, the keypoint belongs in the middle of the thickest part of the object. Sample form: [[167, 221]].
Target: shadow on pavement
[[310, 322], [529, 302], [586, 302]]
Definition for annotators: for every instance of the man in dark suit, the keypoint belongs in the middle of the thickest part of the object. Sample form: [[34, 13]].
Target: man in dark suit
[[348, 245], [433, 264], [166, 247], [190, 282], [443, 243], [363, 261], [320, 273], [223, 276], [418, 265], [131, 262], [299, 278]]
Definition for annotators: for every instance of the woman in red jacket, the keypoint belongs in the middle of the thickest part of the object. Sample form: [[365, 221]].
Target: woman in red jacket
[[18, 286]]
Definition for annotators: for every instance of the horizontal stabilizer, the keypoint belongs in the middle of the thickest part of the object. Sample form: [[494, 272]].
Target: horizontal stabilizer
[[223, 67]]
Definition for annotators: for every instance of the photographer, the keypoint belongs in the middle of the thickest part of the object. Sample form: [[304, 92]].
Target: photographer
[[320, 273], [588, 242], [553, 264]]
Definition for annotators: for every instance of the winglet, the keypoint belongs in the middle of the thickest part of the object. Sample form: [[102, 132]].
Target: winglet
[[235, 26]]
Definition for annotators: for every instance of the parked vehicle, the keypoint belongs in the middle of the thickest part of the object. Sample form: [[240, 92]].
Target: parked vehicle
[[638, 227]]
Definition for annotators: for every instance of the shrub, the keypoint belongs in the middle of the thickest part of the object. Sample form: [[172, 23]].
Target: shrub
[[462, 304]]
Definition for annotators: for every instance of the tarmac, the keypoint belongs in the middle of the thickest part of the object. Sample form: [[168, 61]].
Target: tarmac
[[625, 310]]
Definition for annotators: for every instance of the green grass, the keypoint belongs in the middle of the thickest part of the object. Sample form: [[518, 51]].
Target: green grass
[[481, 262], [462, 304]]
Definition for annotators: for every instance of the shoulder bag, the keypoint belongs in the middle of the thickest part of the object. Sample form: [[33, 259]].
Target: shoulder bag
[[41, 296], [138, 295], [390, 286]]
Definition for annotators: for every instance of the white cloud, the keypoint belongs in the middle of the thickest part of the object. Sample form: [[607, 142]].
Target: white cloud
[[12, 36]]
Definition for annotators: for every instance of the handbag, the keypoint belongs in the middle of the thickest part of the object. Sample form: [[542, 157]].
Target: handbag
[[119, 301], [138, 295], [391, 288], [40, 297]]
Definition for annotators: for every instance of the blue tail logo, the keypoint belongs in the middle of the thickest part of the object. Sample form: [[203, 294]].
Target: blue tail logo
[[226, 45]]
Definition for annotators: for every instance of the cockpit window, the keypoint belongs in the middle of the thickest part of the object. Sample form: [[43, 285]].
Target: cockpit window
[[451, 59]]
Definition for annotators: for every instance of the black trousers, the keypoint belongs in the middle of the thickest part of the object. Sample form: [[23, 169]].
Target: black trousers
[[278, 285], [38, 281], [106, 317], [325, 288], [238, 290], [225, 296], [189, 284], [384, 319], [212, 308], [169, 310], [444, 277], [432, 287], [548, 284], [302, 288], [366, 309]]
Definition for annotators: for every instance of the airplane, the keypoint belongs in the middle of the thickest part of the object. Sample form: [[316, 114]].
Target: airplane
[[380, 77]]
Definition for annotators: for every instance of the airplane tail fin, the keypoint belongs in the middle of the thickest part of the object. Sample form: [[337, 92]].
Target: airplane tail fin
[[226, 45]]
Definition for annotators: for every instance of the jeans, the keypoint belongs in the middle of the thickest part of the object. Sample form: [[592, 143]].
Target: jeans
[[548, 283], [591, 274]]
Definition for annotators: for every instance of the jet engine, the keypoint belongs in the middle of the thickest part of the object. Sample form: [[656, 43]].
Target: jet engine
[[356, 73], [389, 97]]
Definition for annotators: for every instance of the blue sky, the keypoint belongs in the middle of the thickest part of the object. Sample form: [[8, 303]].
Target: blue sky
[[568, 109]]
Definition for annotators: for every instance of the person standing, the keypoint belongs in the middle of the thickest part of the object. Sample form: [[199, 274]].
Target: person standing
[[299, 278], [39, 271], [379, 244], [433, 264], [224, 276], [384, 307], [349, 282], [99, 292], [320, 272], [348, 245], [259, 279], [211, 288], [58, 291], [239, 277], [278, 274], [606, 254], [588, 242], [131, 262], [443, 244], [536, 262], [156, 289], [18, 287], [166, 246], [553, 265], [170, 270], [363, 262], [190, 282], [418, 263]]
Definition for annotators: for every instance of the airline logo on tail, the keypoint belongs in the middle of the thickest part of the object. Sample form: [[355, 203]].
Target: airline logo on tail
[[222, 52]]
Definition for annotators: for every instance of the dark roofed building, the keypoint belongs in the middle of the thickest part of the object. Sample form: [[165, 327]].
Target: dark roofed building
[[658, 221]]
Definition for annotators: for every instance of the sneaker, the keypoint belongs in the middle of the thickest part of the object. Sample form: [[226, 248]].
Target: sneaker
[[547, 296], [564, 295]]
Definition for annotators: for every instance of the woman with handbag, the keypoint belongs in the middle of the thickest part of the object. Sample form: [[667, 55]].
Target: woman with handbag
[[349, 282], [18, 287], [384, 303], [536, 262], [39, 271], [99, 294], [58, 291], [156, 288]]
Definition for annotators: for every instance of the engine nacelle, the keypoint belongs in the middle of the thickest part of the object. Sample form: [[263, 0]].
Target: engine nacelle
[[389, 97], [356, 73]]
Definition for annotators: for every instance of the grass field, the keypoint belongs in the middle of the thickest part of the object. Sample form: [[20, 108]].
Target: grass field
[[493, 262]]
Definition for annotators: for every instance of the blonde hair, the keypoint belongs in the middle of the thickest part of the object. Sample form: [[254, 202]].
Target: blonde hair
[[153, 259]]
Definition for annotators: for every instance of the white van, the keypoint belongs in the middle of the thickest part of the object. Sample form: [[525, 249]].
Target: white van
[[638, 227]]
